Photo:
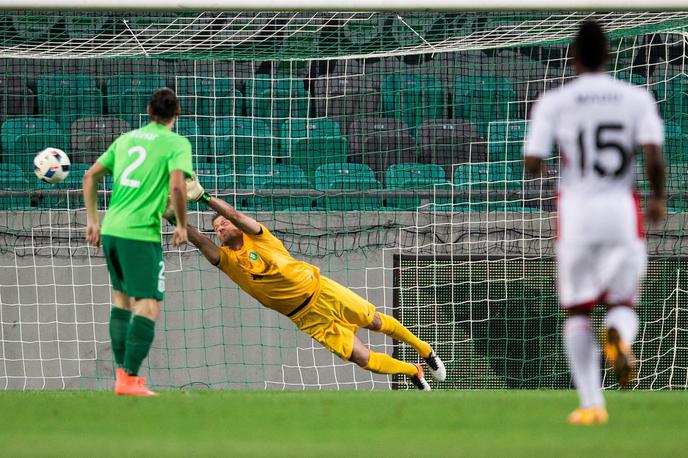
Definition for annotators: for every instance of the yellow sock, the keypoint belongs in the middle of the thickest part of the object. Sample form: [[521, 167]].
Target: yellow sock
[[382, 363], [394, 329]]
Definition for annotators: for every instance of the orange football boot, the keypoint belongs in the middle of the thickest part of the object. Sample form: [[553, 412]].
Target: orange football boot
[[131, 385], [620, 356], [589, 416]]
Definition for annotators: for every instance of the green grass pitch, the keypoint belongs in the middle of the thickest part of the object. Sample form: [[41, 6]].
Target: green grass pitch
[[328, 424]]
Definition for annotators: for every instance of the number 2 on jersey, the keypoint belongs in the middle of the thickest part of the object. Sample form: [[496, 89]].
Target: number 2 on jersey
[[602, 145], [125, 180]]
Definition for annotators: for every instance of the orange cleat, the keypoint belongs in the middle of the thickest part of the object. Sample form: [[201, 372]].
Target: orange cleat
[[131, 385], [620, 357], [589, 416]]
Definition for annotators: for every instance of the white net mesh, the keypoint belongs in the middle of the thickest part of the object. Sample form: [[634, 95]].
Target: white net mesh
[[294, 35]]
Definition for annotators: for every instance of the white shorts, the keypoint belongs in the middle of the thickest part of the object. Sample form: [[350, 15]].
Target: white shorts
[[600, 273]]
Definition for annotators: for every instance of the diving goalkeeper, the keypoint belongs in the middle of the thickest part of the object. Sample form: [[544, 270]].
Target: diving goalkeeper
[[328, 312]]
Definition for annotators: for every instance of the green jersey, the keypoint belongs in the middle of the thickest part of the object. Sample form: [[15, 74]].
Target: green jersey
[[141, 162]]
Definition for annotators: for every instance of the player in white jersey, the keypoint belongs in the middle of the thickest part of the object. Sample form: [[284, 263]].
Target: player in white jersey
[[598, 123]]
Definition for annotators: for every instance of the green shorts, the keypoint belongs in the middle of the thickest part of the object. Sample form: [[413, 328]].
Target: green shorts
[[136, 267]]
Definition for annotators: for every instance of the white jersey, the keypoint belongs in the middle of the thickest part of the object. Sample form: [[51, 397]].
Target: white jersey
[[598, 123]]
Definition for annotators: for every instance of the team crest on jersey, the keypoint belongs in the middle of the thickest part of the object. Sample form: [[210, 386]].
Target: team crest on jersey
[[253, 256]]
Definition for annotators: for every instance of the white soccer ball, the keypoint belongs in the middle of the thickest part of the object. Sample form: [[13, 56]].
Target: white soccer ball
[[51, 165]]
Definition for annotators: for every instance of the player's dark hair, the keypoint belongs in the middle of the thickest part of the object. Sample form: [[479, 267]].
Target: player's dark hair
[[591, 47], [164, 105], [216, 216]]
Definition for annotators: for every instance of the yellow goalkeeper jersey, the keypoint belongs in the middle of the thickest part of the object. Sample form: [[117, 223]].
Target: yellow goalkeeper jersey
[[265, 270]]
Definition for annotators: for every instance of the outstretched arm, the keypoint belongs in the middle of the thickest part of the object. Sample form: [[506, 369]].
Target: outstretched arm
[[200, 241], [244, 222], [204, 244]]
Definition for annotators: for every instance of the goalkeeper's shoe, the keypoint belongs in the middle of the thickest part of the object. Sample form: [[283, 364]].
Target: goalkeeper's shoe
[[131, 385], [620, 357], [437, 369], [589, 416], [419, 381]]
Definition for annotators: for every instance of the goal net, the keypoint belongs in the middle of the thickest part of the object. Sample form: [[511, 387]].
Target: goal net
[[383, 148]]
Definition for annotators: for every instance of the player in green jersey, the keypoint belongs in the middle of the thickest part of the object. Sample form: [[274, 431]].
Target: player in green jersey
[[147, 165]]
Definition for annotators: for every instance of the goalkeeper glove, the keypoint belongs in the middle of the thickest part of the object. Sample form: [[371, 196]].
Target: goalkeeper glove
[[194, 190]]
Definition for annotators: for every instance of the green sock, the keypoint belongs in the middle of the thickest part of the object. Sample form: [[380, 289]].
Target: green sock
[[139, 341], [119, 327]]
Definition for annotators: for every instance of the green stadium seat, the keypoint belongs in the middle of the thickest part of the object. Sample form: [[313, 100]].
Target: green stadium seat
[[414, 99], [270, 82], [215, 176], [346, 177], [13, 179], [186, 127], [66, 98], [476, 182], [505, 141], [481, 99], [409, 177], [276, 98], [272, 177], [60, 83], [22, 138], [12, 176], [128, 96], [243, 142], [207, 98], [66, 107], [310, 143]]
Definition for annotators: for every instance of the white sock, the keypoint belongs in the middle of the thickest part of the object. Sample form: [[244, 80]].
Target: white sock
[[584, 360], [625, 320]]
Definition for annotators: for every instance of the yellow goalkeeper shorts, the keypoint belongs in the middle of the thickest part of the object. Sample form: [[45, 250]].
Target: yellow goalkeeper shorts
[[334, 317]]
